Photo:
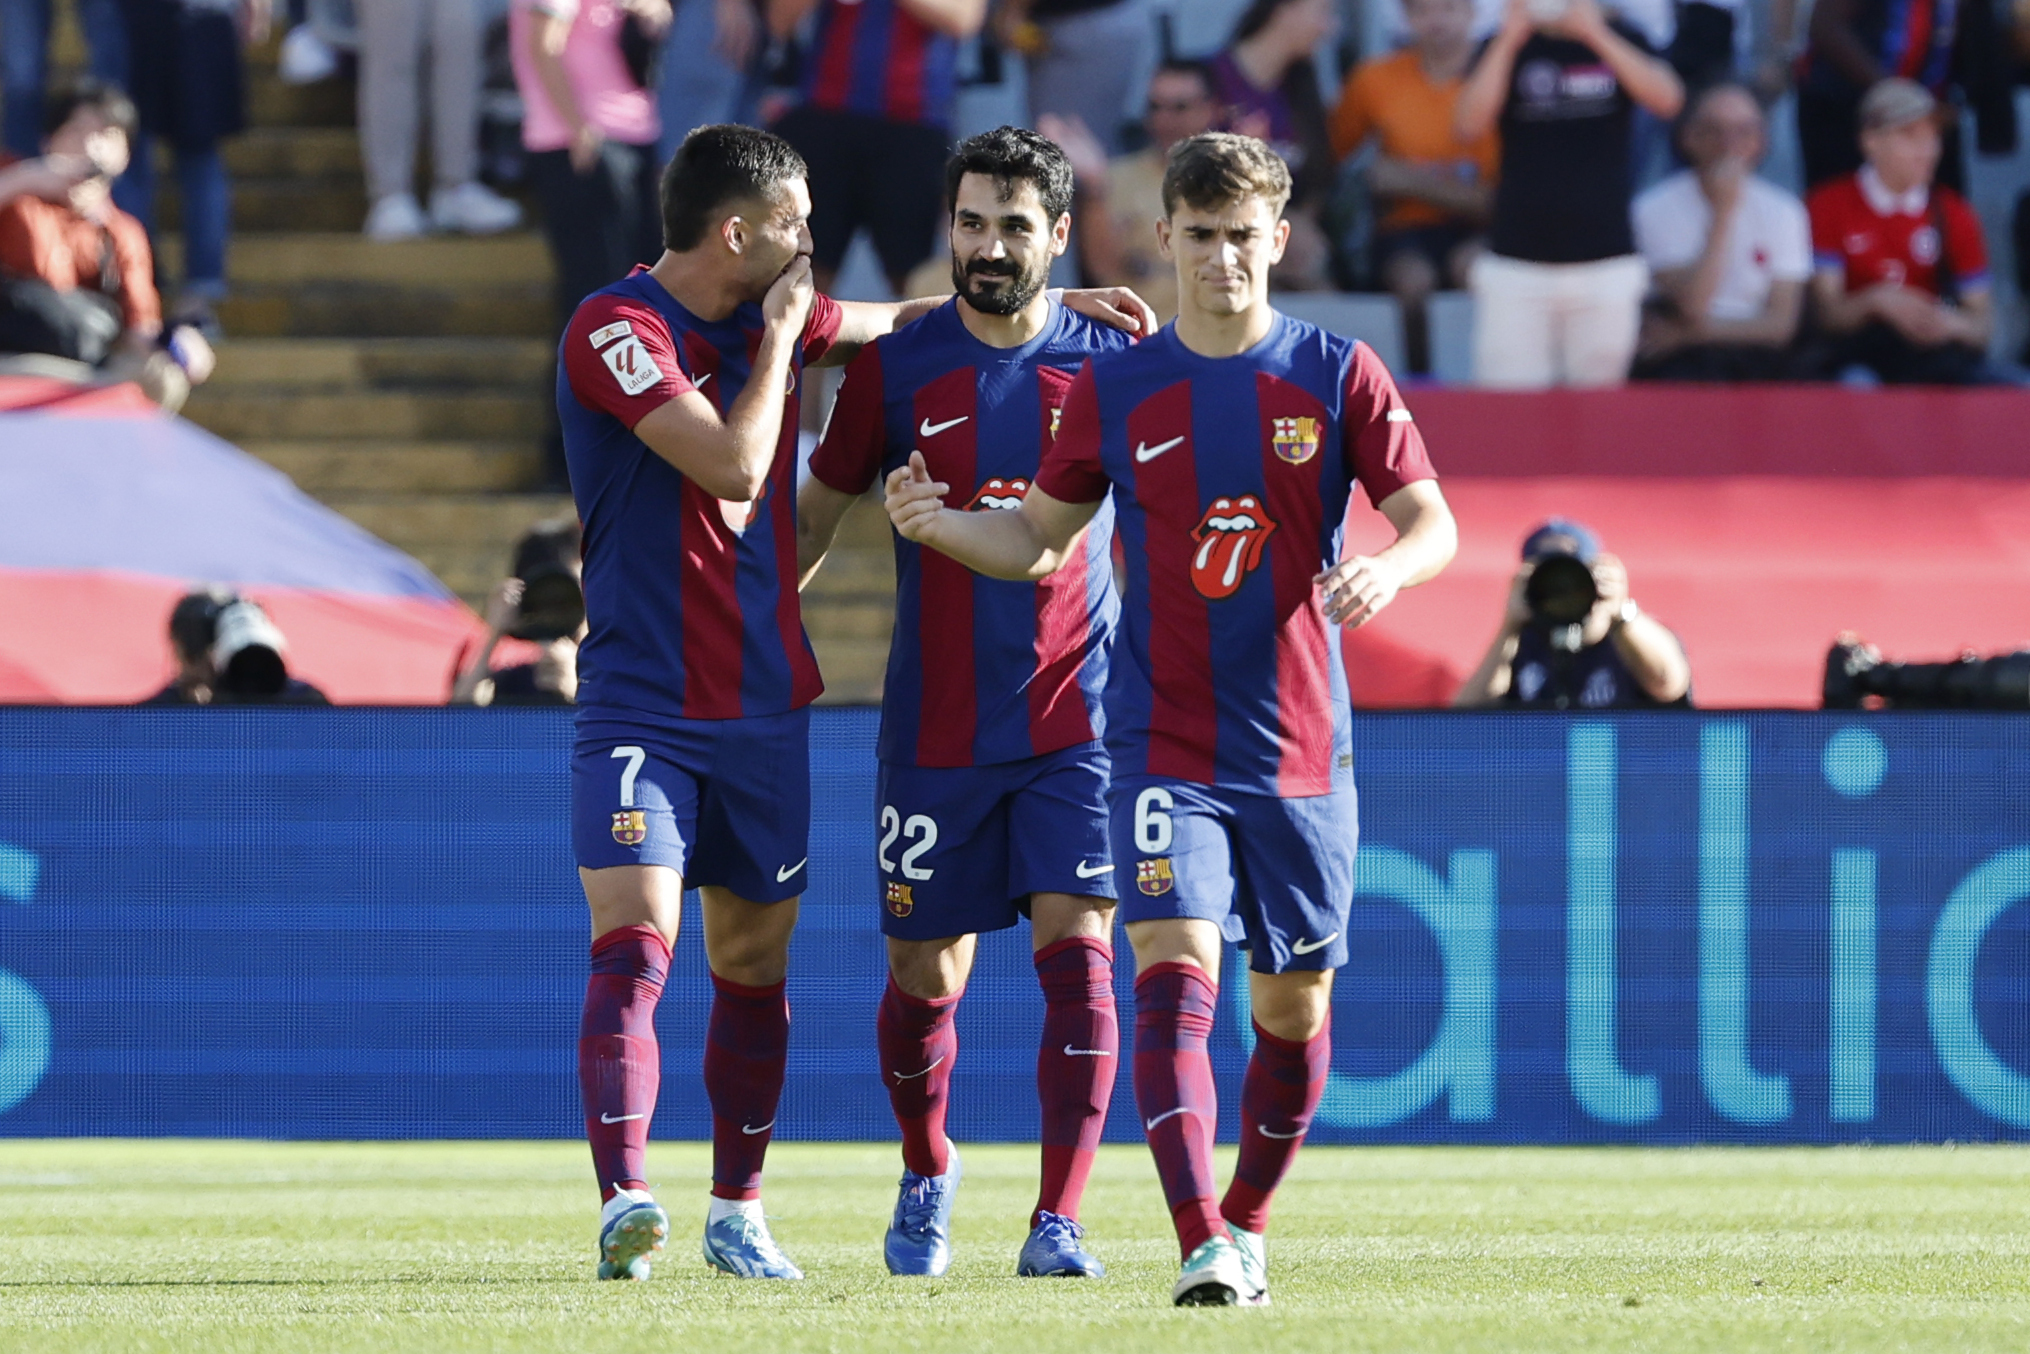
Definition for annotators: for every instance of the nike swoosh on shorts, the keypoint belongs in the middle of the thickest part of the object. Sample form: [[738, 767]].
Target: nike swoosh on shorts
[[1308, 946], [782, 874]]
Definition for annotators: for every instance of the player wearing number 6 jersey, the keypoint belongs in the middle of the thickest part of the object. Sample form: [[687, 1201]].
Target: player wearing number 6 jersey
[[1228, 445], [992, 787]]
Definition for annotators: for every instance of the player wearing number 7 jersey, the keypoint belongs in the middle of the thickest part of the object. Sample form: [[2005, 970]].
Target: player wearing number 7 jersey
[[1228, 445], [992, 785]]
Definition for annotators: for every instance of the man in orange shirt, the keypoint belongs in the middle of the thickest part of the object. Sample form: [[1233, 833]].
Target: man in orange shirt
[[1434, 188], [77, 276]]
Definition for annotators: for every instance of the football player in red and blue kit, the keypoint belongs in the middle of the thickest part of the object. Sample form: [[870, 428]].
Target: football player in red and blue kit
[[678, 394], [993, 780], [1228, 445]]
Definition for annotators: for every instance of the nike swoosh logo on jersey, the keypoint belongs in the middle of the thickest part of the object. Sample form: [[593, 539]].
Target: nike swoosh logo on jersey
[[1166, 1114], [1308, 946], [619, 1118], [1145, 452], [698, 382], [912, 1076], [1071, 1052], [1086, 871], [763, 1129], [782, 875], [929, 429], [1283, 1136]]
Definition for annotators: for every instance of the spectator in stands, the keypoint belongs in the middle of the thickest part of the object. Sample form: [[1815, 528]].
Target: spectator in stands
[[1571, 636], [1081, 56], [77, 276], [591, 131], [880, 84], [1559, 293], [189, 83], [393, 36], [25, 27], [1901, 280], [1435, 188], [713, 65], [1267, 83], [1119, 201], [543, 603], [228, 652], [1729, 253]]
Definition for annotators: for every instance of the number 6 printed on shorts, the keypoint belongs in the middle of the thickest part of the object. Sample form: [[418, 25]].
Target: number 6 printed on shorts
[[918, 828], [1153, 827]]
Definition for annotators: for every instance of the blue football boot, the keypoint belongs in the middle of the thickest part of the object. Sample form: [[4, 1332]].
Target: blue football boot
[[631, 1226], [739, 1244], [1053, 1251], [919, 1240]]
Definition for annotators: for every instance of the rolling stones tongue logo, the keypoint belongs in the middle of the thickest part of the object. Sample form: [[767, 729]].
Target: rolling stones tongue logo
[[998, 494], [1231, 538]]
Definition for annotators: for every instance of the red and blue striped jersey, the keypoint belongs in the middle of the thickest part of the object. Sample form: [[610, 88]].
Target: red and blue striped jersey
[[874, 57], [981, 670], [1230, 479], [690, 602]]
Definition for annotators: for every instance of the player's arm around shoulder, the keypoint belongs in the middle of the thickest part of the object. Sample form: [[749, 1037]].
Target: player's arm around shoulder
[[730, 457], [862, 322]]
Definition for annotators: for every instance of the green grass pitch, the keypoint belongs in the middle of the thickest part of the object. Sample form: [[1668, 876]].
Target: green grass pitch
[[254, 1246]]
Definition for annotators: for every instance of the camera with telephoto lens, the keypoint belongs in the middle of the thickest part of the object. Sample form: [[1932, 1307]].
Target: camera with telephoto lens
[[1561, 591], [247, 652], [553, 600], [1857, 674]]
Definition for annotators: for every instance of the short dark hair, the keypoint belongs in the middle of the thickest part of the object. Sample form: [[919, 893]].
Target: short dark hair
[[716, 166], [194, 620], [1198, 70], [103, 97], [1215, 168], [1012, 155]]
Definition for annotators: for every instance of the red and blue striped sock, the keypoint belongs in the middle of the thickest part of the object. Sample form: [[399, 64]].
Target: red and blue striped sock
[[918, 1044], [1280, 1093], [1174, 1007], [619, 1066], [746, 1053], [1075, 1065]]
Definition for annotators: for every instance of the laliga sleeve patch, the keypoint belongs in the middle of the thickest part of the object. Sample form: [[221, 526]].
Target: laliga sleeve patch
[[631, 366]]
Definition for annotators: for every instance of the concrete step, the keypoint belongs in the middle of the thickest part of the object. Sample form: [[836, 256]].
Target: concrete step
[[853, 670], [332, 202], [345, 256], [843, 618], [270, 103], [340, 310], [426, 415], [516, 364], [467, 540], [329, 467], [294, 152]]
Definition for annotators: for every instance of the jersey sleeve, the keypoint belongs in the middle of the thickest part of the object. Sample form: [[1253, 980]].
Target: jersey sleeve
[[821, 330], [1966, 253], [1071, 470], [621, 360], [1383, 445], [849, 455]]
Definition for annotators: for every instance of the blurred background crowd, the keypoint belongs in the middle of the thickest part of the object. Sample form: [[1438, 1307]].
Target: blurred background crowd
[[310, 202]]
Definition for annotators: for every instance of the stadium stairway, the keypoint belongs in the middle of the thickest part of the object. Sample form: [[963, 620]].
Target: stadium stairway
[[405, 384]]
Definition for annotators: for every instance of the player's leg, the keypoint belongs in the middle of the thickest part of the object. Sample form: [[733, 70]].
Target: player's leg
[[633, 811], [1061, 856], [1174, 837], [751, 861], [1297, 868], [942, 855]]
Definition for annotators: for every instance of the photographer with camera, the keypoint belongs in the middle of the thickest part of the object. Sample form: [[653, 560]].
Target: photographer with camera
[[228, 652], [1572, 637], [543, 603]]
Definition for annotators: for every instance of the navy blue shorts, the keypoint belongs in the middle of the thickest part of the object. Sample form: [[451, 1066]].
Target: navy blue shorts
[[1276, 874], [724, 802], [961, 848]]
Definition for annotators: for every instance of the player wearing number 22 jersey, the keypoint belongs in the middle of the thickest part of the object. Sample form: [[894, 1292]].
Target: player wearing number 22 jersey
[[1228, 446], [992, 783]]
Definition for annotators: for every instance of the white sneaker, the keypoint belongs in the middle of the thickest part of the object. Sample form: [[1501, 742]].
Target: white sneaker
[[1254, 1249], [631, 1226], [473, 209], [305, 58], [1212, 1277], [397, 216]]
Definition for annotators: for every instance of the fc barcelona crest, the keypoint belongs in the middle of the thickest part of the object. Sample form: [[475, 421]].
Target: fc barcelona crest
[[1153, 877], [1296, 439], [630, 827], [901, 901]]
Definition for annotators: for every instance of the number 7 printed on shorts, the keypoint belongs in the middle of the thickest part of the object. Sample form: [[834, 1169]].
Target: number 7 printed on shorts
[[630, 824]]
